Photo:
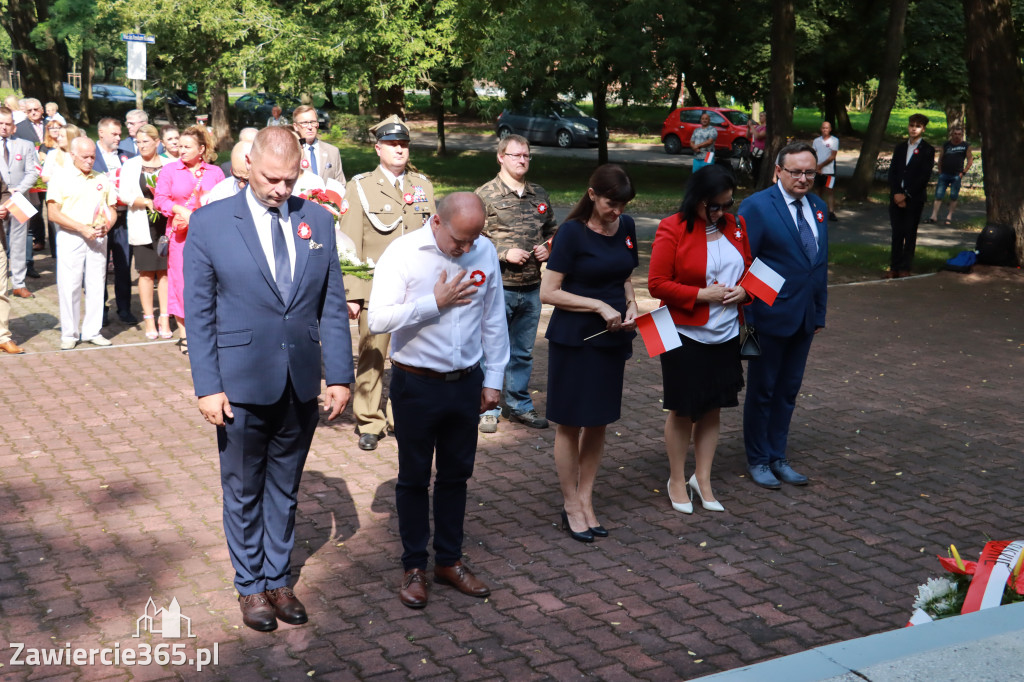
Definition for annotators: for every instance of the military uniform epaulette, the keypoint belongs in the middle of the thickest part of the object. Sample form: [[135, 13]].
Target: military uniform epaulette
[[361, 176]]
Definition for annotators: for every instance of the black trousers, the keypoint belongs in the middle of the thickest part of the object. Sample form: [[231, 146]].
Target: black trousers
[[904, 233], [432, 415], [120, 251]]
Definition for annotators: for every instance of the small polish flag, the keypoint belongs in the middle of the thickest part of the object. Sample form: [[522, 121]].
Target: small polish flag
[[831, 182], [709, 157], [20, 207], [763, 282], [658, 331]]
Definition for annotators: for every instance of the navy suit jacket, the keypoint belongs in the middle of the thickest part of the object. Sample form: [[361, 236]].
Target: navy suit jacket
[[775, 240], [244, 339]]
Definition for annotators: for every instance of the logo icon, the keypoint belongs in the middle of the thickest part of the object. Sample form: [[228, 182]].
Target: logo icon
[[166, 622]]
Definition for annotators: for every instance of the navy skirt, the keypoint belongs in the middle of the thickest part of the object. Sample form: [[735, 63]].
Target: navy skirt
[[585, 383], [699, 377]]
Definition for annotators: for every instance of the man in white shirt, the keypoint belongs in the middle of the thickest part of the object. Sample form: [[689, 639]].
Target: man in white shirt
[[438, 293], [826, 148]]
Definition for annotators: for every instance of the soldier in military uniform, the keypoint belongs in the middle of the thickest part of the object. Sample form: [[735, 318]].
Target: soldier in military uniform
[[380, 207], [520, 222]]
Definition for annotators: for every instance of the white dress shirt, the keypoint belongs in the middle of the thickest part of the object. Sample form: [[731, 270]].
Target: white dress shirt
[[808, 211], [261, 216], [392, 178], [402, 303]]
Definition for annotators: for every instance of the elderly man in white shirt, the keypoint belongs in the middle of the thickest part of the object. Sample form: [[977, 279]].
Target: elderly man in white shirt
[[438, 293]]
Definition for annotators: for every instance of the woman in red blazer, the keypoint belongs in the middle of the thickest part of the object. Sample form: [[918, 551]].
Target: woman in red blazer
[[699, 256]]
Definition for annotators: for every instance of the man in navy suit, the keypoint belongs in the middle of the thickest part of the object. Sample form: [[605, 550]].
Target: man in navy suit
[[909, 173], [263, 298], [788, 230]]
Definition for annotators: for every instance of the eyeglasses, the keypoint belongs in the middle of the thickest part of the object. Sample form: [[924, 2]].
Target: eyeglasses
[[307, 124], [715, 208], [521, 157], [797, 174]]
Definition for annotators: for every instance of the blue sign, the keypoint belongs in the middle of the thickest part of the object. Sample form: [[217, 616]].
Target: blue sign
[[137, 38]]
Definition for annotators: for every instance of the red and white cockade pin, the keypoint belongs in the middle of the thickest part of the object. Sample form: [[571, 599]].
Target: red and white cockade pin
[[820, 216], [916, 150], [739, 234], [407, 197], [304, 231], [344, 206], [99, 187], [17, 157], [477, 277], [305, 163], [629, 242], [542, 208]]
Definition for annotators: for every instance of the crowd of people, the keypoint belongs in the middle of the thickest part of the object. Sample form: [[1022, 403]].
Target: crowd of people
[[249, 267]]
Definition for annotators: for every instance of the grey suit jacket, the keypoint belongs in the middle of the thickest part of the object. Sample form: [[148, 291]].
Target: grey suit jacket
[[20, 172], [328, 161]]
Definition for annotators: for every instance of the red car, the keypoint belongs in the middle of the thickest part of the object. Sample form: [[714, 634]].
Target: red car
[[730, 124]]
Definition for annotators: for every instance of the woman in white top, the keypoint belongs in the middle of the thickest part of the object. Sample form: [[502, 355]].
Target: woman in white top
[[58, 158], [145, 227]]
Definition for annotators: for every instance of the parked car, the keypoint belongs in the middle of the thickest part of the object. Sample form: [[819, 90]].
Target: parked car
[[548, 122], [111, 100], [180, 104], [73, 96], [253, 109], [730, 123]]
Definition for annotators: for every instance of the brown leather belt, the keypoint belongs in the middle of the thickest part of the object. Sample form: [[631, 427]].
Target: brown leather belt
[[443, 376]]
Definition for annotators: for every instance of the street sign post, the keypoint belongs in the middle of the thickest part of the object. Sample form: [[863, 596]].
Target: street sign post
[[137, 60]]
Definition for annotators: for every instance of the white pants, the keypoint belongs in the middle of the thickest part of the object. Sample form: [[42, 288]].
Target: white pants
[[78, 256]]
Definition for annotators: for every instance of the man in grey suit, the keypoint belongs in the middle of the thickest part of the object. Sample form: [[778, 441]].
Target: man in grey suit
[[20, 170], [318, 157]]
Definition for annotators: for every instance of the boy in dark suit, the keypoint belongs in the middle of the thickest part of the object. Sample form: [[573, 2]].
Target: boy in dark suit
[[909, 172]]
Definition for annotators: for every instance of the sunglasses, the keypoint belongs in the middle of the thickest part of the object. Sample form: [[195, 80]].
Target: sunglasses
[[713, 208]]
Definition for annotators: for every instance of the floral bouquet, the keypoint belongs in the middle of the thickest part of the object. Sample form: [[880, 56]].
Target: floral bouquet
[[337, 205], [995, 579]]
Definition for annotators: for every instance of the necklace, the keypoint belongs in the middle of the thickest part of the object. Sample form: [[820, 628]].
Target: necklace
[[601, 229], [716, 262]]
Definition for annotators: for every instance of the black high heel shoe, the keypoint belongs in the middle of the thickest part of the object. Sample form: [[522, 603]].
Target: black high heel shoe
[[599, 531], [585, 536]]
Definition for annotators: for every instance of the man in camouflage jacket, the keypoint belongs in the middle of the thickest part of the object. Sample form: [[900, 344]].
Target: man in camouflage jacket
[[520, 223]]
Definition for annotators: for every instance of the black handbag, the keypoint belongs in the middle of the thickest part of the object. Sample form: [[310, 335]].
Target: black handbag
[[750, 347], [162, 246]]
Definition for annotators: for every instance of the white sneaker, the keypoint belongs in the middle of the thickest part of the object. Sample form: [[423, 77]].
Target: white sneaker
[[68, 344], [99, 340], [488, 423]]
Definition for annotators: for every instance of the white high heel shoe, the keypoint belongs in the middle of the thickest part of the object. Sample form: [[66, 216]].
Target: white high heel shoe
[[710, 506], [684, 508]]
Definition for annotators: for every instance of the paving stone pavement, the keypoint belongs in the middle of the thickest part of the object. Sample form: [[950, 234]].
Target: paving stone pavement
[[909, 426]]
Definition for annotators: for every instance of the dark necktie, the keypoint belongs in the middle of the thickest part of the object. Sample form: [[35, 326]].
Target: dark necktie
[[806, 235], [282, 266], [312, 160], [7, 153]]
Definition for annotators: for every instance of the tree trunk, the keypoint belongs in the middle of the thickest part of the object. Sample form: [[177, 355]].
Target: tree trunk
[[219, 115], [601, 114], [780, 97], [888, 88], [391, 101], [42, 76], [363, 97], [328, 90], [707, 88], [88, 70], [695, 98], [955, 115], [998, 97], [844, 127], [437, 104], [831, 96], [677, 91]]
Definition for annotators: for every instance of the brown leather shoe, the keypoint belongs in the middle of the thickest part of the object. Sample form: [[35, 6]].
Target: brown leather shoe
[[287, 606], [257, 612], [23, 293], [462, 579], [414, 588], [9, 346]]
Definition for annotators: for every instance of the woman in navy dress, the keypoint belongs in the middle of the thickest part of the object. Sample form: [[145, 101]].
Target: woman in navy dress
[[590, 336]]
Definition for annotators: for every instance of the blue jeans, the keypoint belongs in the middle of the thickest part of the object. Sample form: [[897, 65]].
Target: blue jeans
[[948, 180], [522, 312]]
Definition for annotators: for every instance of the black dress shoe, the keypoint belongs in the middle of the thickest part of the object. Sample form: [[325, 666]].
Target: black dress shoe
[[599, 532], [287, 606], [368, 441], [415, 588], [127, 318], [585, 536], [31, 272], [257, 612]]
